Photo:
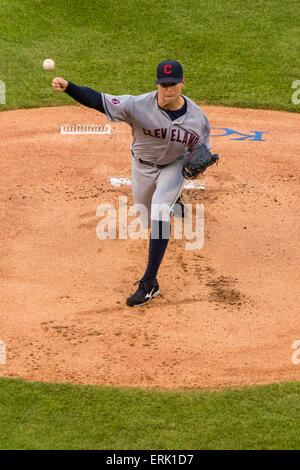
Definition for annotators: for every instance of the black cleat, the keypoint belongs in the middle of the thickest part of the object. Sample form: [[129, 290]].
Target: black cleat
[[145, 292], [179, 209]]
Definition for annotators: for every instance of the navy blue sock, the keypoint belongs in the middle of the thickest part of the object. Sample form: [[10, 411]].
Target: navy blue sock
[[159, 239]]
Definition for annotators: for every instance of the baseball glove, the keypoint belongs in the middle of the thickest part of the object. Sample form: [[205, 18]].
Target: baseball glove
[[197, 161]]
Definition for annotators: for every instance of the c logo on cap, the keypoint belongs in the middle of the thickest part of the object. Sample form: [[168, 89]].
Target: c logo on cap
[[166, 67]]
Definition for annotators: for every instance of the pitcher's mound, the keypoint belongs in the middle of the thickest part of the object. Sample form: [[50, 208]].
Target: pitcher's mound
[[228, 314]]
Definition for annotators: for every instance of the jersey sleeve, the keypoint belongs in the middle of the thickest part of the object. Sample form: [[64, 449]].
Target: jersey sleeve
[[206, 133], [86, 96], [118, 108]]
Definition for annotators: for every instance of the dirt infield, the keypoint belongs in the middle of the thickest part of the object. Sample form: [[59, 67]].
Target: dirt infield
[[228, 313]]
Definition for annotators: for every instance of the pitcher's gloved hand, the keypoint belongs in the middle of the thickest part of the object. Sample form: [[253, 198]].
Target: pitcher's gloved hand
[[197, 161]]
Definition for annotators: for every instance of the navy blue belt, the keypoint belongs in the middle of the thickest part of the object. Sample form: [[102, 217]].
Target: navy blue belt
[[144, 162]]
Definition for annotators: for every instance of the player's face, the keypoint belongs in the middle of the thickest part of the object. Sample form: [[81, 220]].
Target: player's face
[[169, 93]]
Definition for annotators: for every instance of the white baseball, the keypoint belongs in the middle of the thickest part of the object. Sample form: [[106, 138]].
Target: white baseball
[[48, 64]]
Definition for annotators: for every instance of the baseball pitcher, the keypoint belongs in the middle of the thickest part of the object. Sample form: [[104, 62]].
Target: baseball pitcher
[[166, 126]]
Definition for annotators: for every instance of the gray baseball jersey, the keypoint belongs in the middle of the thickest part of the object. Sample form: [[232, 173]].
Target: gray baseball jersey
[[156, 138], [159, 140]]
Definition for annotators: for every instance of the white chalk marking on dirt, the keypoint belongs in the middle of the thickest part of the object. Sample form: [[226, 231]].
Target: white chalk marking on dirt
[[117, 182], [84, 129], [194, 185]]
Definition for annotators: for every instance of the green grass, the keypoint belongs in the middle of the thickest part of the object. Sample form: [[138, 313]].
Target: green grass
[[62, 416], [235, 53]]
